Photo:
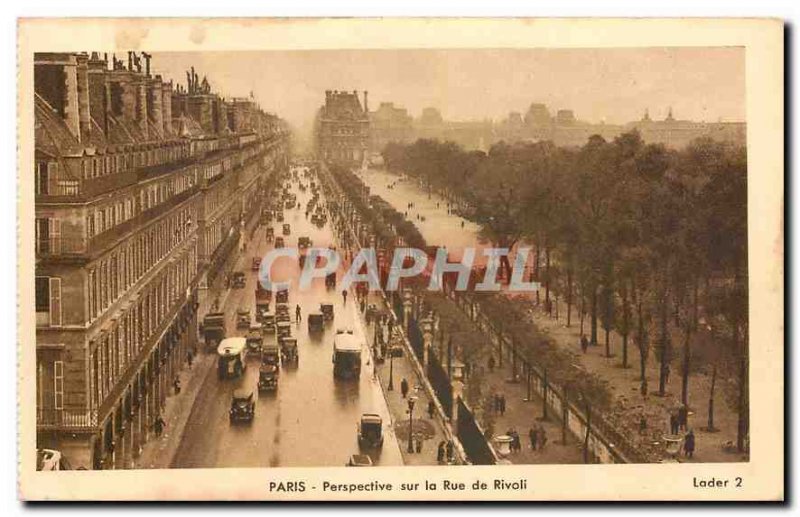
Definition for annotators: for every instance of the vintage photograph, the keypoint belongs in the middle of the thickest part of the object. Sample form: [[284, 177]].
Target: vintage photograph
[[383, 257]]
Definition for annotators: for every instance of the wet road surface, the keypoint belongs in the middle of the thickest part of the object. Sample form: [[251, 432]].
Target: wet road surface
[[311, 420]]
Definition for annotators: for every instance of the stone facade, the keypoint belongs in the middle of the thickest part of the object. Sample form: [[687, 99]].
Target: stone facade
[[342, 128], [140, 189]]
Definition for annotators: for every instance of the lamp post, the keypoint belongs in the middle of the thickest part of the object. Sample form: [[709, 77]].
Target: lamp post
[[411, 401]]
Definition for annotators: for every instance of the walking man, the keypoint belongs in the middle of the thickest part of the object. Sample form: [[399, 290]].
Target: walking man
[[683, 416], [688, 444], [344, 296], [673, 423], [584, 343], [542, 437], [297, 313], [533, 435], [404, 387], [502, 404], [440, 452]]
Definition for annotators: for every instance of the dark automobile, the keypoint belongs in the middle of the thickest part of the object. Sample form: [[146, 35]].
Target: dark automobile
[[243, 405], [316, 321], [370, 431]]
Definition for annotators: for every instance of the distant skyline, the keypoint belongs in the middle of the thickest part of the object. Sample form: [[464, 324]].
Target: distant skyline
[[600, 85]]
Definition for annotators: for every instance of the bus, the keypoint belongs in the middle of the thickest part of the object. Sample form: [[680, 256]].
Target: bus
[[346, 355], [232, 354]]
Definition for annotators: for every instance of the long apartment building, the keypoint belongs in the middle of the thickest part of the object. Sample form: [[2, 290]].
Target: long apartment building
[[143, 191]]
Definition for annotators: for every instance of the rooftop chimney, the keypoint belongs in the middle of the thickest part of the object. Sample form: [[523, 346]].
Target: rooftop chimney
[[366, 101]]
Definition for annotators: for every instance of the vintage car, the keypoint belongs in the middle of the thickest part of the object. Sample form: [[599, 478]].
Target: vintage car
[[213, 328], [268, 375], [282, 312], [304, 242], [316, 321], [282, 296], [268, 323], [359, 460], [255, 337], [327, 311], [243, 319], [289, 350], [270, 353], [243, 405], [238, 280], [279, 217], [256, 263], [279, 242], [286, 229], [270, 234], [370, 431], [283, 329]]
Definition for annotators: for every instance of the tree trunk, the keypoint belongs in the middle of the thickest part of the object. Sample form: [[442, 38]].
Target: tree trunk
[[642, 341], [687, 355], [594, 316], [547, 277], [583, 309], [711, 427], [569, 297], [544, 395], [663, 345]]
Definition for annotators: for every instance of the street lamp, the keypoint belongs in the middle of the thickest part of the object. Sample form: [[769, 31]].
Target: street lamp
[[411, 401]]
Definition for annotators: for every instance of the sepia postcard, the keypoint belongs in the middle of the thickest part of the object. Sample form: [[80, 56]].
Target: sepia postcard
[[483, 259]]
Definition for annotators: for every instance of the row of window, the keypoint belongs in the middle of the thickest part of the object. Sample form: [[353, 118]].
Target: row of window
[[53, 179], [117, 347], [110, 277]]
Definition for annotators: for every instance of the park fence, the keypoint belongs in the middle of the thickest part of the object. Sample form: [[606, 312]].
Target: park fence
[[603, 444]]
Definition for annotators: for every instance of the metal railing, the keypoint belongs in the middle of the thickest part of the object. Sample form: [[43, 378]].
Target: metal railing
[[67, 417]]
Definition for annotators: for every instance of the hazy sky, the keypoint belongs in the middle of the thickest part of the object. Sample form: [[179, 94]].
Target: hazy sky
[[612, 85]]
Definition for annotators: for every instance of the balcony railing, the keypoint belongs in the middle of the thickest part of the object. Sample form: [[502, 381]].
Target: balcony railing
[[58, 246], [66, 418]]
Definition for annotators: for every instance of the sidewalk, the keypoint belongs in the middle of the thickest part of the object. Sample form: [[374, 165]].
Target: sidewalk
[[397, 369], [158, 452], [522, 414]]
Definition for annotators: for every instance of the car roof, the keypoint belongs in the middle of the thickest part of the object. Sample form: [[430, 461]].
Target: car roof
[[371, 418], [242, 393], [231, 345]]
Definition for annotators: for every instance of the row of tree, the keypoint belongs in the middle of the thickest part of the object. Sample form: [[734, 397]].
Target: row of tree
[[647, 241]]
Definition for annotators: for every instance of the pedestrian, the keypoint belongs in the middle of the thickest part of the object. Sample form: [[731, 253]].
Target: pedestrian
[[502, 404], [688, 444], [440, 452], [496, 403], [189, 358], [450, 451], [673, 423], [419, 444], [542, 437], [404, 387], [344, 296], [462, 223], [297, 313], [584, 343], [533, 435], [491, 363], [515, 441], [666, 374], [177, 385], [683, 416], [431, 408]]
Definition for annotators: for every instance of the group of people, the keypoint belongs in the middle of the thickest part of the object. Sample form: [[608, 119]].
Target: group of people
[[538, 437], [445, 453], [498, 405]]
